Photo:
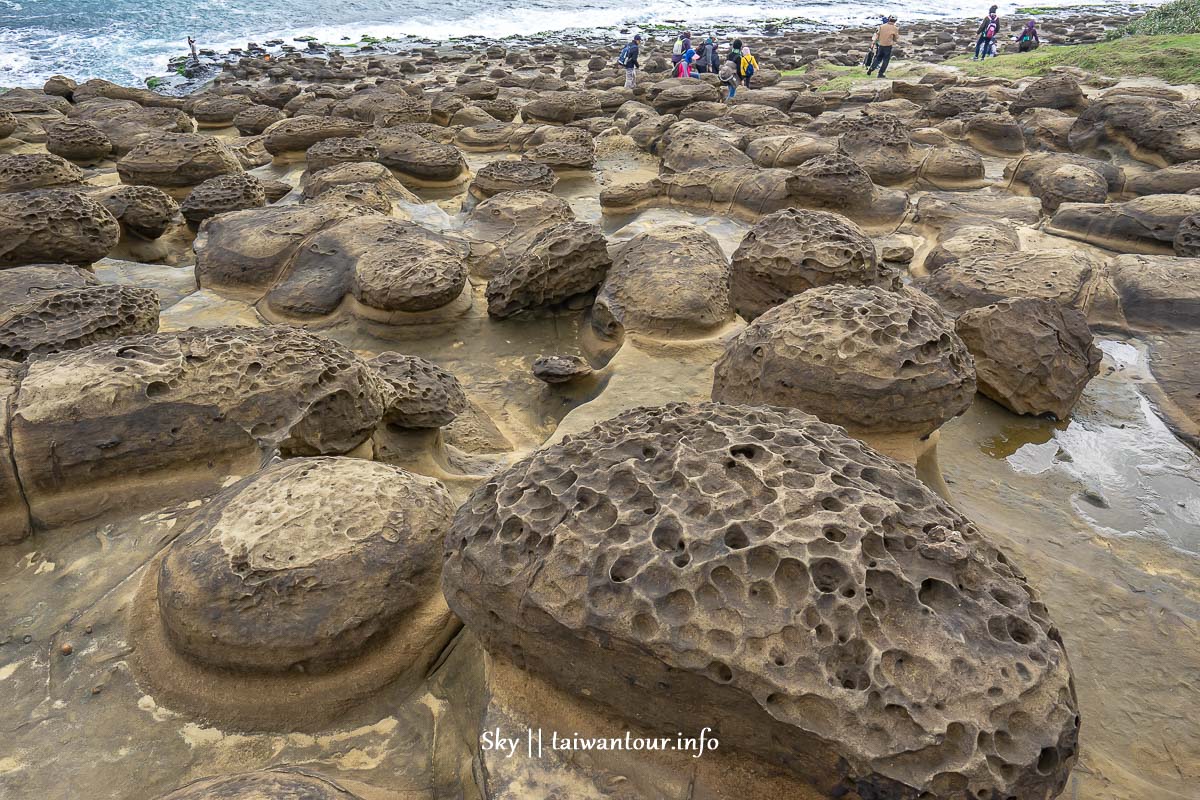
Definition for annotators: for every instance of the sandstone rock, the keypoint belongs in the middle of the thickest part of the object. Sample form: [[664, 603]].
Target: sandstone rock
[[79, 141], [1053, 91], [676, 94], [54, 226], [686, 563], [302, 565], [954, 102], [219, 112], [339, 150], [1158, 292], [1187, 238], [419, 161], [963, 241], [672, 281], [143, 211], [8, 124], [253, 120], [980, 280], [280, 784], [221, 195], [995, 134], [507, 176], [1032, 356], [837, 183], [880, 144], [60, 85], [358, 174], [558, 369], [1142, 225], [561, 262], [502, 227], [1028, 168], [1156, 131], [176, 160], [27, 171], [794, 250], [872, 360], [290, 137], [1176, 179], [426, 396], [1068, 183]]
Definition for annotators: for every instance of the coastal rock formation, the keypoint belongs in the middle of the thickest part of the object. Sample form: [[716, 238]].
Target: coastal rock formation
[[794, 250], [221, 195], [1063, 276], [869, 359], [1032, 356], [558, 369], [1187, 238], [671, 281], [302, 565], [1158, 292], [27, 171], [562, 261], [364, 176], [141, 419], [1142, 225], [680, 564], [418, 161], [1155, 130], [54, 227], [176, 161], [426, 396], [1060, 92], [254, 120], [50, 309], [143, 211], [339, 150], [290, 138], [502, 227], [1175, 179], [282, 783], [507, 176]]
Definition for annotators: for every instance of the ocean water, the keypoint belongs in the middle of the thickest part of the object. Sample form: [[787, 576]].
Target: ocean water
[[127, 40]]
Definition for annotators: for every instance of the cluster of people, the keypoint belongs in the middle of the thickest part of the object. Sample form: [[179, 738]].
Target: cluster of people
[[989, 28], [735, 69]]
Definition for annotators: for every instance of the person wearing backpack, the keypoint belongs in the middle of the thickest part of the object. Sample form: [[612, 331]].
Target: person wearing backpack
[[709, 59], [729, 77], [987, 34], [677, 49], [885, 39], [749, 66], [1028, 40], [629, 60]]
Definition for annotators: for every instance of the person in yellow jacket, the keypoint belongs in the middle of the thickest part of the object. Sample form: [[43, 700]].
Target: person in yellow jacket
[[748, 66]]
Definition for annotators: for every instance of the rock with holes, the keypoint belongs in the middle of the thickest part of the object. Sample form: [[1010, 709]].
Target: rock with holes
[[177, 161], [507, 176], [221, 195], [26, 171], [290, 138], [872, 360], [1032, 355], [426, 396], [8, 124], [14, 511], [561, 262], [360, 175], [979, 238], [79, 141], [302, 565], [502, 227], [277, 784], [218, 111], [54, 226], [255, 119], [1053, 91], [1064, 276], [339, 150], [880, 144], [1155, 130], [1068, 183], [1141, 225], [794, 250], [144, 211], [756, 566], [419, 161], [670, 281], [1187, 238], [124, 423], [558, 369], [47, 309]]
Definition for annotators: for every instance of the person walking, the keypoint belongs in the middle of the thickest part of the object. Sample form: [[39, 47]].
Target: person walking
[[629, 60], [729, 77], [749, 66], [709, 59], [677, 49], [987, 34], [885, 39], [1028, 40]]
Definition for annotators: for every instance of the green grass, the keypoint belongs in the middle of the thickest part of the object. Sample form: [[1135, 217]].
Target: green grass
[[1174, 59], [1181, 16]]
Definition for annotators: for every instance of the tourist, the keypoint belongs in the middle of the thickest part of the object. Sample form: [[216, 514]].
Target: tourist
[[987, 34], [1028, 40], [729, 77], [677, 49], [710, 60], [885, 39], [749, 66], [629, 60], [684, 68]]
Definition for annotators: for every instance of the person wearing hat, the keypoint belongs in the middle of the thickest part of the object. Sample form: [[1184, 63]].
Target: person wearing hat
[[629, 60], [885, 38]]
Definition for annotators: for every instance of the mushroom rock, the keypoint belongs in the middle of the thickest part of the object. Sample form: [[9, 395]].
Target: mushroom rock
[[339, 150], [297, 591], [359, 174], [175, 162], [1142, 225], [1154, 130], [384, 107], [426, 396], [561, 107], [877, 362], [747, 193], [562, 261], [788, 150], [676, 94], [1158, 293], [419, 161], [27, 171], [994, 134], [143, 211], [672, 281], [1032, 356], [880, 144], [1068, 183], [254, 120], [955, 102], [837, 183], [501, 228], [79, 141], [278, 784], [1053, 91], [1064, 276], [960, 241], [288, 139], [1046, 129], [506, 176], [54, 226], [1026, 169], [794, 250], [218, 111], [494, 136], [557, 369], [694, 148], [953, 167], [756, 566], [142, 419], [221, 195]]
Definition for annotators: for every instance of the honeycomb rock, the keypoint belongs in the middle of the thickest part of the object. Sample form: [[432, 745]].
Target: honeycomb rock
[[54, 226], [384, 263], [28, 171], [672, 280], [144, 211], [794, 250], [219, 112], [296, 134], [418, 160], [221, 195], [359, 174], [961, 241], [121, 423], [677, 94], [302, 564], [697, 147], [1053, 91], [1158, 292], [60, 86], [1187, 238], [980, 280], [253, 120], [837, 183], [1068, 183], [560, 369], [339, 150], [561, 262], [177, 160], [954, 102], [505, 176], [8, 124], [1032, 356], [561, 107], [502, 227], [79, 141], [275, 784], [427, 396], [872, 360], [1141, 225], [755, 566], [880, 144]]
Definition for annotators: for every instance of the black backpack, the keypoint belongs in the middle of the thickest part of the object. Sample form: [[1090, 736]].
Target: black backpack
[[621, 59]]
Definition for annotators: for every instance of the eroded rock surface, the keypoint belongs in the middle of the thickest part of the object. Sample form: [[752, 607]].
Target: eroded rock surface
[[426, 396]]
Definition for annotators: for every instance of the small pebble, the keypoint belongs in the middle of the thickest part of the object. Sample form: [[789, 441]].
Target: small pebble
[[67, 649]]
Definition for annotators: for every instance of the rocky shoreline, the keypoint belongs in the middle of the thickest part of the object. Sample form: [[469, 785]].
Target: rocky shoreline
[[356, 407]]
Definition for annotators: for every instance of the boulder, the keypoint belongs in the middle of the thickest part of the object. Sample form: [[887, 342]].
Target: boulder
[[1053, 91], [1142, 225], [218, 111], [143, 211], [254, 120], [1175, 179], [794, 250], [1032, 356], [1154, 130], [558, 369], [290, 138], [872, 360], [222, 195], [177, 161], [27, 171], [675, 94], [562, 261], [54, 226], [995, 134], [426, 396], [880, 144], [507, 176], [1158, 293], [339, 150], [688, 563], [502, 227], [419, 161], [277, 783], [1187, 238], [79, 141], [1069, 183], [962, 241], [1063, 276], [358, 174]]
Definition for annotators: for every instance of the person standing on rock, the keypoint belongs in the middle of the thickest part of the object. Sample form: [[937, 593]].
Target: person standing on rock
[[629, 60], [749, 66], [885, 39], [677, 49], [729, 77], [734, 57], [709, 59], [987, 34]]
